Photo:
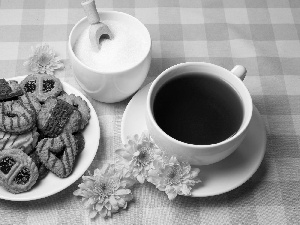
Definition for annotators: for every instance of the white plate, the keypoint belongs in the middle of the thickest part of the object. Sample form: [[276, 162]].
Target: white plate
[[52, 184], [217, 178]]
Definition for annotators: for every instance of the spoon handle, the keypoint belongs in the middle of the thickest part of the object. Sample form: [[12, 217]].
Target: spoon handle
[[90, 10]]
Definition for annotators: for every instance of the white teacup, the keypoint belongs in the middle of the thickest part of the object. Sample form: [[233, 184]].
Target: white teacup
[[200, 154]]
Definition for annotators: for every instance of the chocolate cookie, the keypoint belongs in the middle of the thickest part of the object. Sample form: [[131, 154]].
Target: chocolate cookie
[[58, 154], [19, 116], [79, 104], [26, 142], [57, 116], [43, 172], [9, 89], [18, 173], [42, 85], [80, 142]]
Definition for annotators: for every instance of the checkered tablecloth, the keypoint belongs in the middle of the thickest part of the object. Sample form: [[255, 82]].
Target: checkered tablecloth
[[262, 35]]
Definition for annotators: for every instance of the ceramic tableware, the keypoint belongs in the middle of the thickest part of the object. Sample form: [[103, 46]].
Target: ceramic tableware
[[200, 154], [117, 84], [217, 178]]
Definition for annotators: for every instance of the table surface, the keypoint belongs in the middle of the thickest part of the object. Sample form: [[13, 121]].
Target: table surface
[[261, 35]]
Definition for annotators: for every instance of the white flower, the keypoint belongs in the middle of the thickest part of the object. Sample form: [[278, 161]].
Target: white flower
[[43, 60], [106, 191], [173, 177], [140, 155]]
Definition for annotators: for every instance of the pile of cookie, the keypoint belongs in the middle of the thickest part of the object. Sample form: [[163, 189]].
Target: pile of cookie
[[40, 130]]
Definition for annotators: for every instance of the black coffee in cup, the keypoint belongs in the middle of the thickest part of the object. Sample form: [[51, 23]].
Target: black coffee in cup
[[198, 110]]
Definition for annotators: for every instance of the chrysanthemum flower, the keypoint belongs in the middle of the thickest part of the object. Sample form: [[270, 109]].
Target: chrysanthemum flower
[[43, 60], [174, 178], [106, 191], [140, 155]]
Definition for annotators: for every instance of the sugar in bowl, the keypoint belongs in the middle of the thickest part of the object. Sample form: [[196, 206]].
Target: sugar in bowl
[[119, 67]]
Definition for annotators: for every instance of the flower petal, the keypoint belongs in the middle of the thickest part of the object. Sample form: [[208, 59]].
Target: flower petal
[[77, 192], [140, 178], [173, 160], [121, 202], [99, 206], [185, 190], [123, 153], [26, 63], [131, 143], [136, 154], [85, 186], [122, 192], [171, 194], [86, 202], [161, 187], [153, 177], [194, 172], [93, 214], [127, 198], [103, 170], [127, 182], [108, 213], [136, 137], [103, 212], [108, 206], [113, 202]]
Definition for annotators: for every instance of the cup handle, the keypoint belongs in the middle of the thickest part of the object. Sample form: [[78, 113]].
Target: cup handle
[[239, 71]]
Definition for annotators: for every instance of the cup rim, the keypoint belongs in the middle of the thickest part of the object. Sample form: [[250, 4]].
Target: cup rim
[[242, 128], [109, 72]]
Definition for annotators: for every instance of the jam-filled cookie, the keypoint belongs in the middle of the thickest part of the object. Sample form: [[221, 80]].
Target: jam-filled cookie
[[81, 105], [58, 154], [9, 89], [26, 142], [57, 116], [19, 116], [18, 173], [43, 171], [42, 85]]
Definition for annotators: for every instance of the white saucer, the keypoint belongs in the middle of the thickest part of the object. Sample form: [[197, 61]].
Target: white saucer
[[217, 178]]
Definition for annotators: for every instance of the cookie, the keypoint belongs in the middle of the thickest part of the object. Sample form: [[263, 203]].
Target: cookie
[[57, 116], [58, 154], [43, 172], [19, 116], [62, 93], [42, 85], [31, 102], [26, 142], [42, 169], [18, 173], [80, 142], [9, 89], [35, 158], [79, 104]]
